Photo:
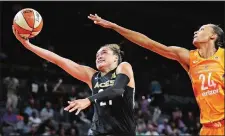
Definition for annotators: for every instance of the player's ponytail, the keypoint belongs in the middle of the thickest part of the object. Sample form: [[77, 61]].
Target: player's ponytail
[[120, 57], [220, 42]]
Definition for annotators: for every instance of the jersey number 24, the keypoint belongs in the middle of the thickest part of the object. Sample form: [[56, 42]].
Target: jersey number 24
[[207, 79]]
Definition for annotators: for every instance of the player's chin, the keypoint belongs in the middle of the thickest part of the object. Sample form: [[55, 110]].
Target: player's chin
[[100, 67], [195, 42]]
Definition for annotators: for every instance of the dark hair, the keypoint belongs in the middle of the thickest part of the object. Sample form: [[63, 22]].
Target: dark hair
[[220, 42], [116, 51]]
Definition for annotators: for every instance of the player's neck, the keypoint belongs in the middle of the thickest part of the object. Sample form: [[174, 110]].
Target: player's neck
[[107, 70], [207, 50]]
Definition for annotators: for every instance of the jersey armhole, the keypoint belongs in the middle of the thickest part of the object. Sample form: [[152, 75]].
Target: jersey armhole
[[191, 55]]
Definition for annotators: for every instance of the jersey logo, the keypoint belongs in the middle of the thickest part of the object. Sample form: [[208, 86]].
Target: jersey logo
[[105, 84], [113, 75]]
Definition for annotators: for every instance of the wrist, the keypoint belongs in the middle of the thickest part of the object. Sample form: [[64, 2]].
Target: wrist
[[91, 99], [89, 102], [26, 43]]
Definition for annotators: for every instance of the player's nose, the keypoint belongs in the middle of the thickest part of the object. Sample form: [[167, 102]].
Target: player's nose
[[195, 32]]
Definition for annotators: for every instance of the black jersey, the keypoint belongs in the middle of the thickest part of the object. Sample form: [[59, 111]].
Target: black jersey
[[116, 116]]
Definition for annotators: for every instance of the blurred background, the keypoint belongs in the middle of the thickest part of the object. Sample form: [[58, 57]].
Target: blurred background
[[165, 103]]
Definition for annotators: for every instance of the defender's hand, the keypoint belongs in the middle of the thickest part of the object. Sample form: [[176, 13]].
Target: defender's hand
[[102, 22]]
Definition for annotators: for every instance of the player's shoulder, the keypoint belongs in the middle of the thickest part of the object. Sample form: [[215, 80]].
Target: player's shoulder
[[221, 53], [222, 49], [124, 65], [193, 52]]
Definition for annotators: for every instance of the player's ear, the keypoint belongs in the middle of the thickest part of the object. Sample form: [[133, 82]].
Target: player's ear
[[213, 36]]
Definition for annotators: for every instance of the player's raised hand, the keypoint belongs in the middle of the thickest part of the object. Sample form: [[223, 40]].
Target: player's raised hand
[[78, 105], [18, 37], [99, 21]]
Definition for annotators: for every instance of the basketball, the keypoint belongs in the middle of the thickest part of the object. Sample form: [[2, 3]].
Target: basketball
[[28, 23]]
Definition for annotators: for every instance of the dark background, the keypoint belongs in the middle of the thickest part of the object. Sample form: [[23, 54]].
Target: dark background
[[73, 35]]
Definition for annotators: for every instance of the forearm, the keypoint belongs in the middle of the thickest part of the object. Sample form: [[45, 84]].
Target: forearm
[[144, 41], [116, 90], [43, 53], [107, 94], [80, 72]]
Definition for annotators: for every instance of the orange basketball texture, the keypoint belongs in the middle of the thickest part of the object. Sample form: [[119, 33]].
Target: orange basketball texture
[[28, 23]]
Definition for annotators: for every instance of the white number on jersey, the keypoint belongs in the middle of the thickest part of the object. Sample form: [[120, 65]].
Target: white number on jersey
[[211, 83], [104, 103]]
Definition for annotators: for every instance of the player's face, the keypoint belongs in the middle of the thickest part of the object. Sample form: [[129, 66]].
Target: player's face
[[203, 35], [104, 58]]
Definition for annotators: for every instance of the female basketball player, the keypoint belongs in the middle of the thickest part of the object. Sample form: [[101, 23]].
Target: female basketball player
[[112, 88], [205, 66]]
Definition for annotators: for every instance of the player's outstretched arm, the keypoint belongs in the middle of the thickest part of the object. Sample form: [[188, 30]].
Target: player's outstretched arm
[[171, 52], [80, 72]]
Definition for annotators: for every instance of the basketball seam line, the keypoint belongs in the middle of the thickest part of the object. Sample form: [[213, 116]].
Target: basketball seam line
[[28, 23], [26, 20], [34, 24]]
